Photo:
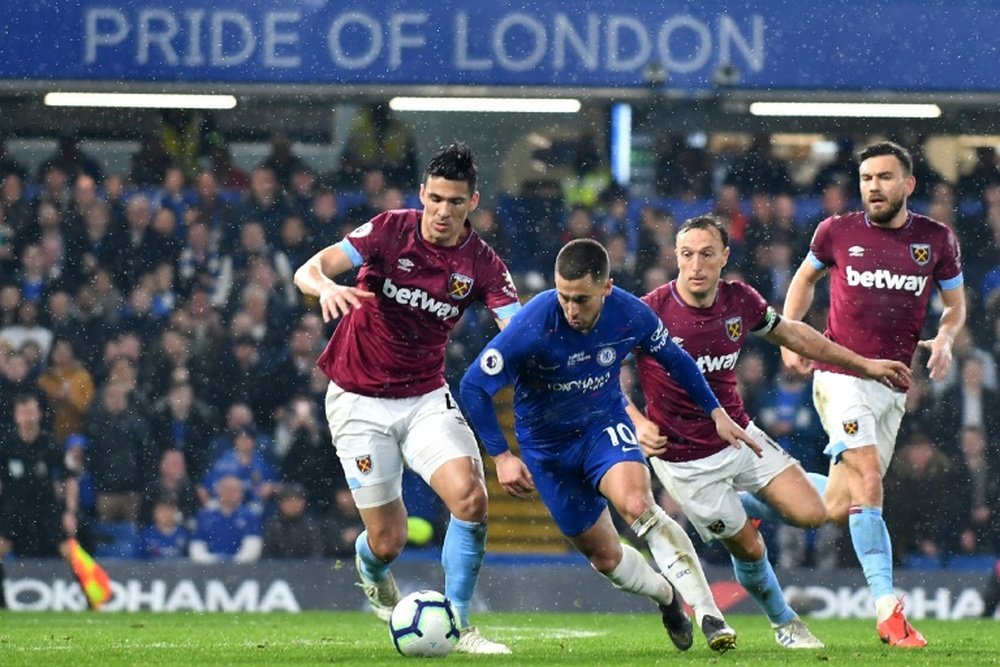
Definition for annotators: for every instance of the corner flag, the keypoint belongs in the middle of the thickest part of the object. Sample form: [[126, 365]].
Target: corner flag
[[94, 581]]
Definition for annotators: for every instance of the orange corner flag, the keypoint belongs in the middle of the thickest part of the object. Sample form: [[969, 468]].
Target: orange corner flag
[[94, 581]]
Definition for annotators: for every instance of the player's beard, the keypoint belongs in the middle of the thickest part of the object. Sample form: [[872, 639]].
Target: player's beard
[[886, 216]]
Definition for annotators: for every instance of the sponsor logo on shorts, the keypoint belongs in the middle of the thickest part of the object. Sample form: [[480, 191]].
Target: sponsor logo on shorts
[[851, 426], [364, 463], [491, 362], [459, 286], [717, 527], [606, 356], [921, 253], [734, 328]]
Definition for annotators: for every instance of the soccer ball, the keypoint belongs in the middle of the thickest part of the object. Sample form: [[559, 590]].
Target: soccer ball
[[424, 623]]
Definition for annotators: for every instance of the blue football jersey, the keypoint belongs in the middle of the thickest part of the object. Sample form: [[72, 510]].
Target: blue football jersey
[[567, 382]]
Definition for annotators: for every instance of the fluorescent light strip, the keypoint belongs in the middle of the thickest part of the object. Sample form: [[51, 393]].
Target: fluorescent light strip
[[621, 142], [486, 104], [140, 100], [845, 109]]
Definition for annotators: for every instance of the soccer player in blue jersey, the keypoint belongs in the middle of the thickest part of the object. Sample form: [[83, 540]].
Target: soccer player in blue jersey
[[563, 353]]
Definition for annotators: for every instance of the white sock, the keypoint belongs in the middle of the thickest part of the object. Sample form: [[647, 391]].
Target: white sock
[[884, 607], [634, 574], [674, 553]]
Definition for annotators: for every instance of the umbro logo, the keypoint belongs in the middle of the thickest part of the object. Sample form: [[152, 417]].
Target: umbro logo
[[404, 264], [856, 251]]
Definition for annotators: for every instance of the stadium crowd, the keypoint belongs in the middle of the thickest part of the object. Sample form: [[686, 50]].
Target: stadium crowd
[[153, 314]]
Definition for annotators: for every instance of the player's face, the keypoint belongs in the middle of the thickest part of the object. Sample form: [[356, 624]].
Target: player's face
[[884, 188], [700, 260], [582, 300], [447, 204]]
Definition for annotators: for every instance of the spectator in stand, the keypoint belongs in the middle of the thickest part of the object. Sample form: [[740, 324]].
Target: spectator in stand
[[984, 173], [150, 162], [307, 455], [121, 455], [378, 140], [617, 222], [967, 403], [100, 243], [143, 248], [919, 520], [246, 464], [9, 164], [681, 170], [729, 207], [230, 532], [487, 224], [27, 329], [180, 421], [842, 171], [165, 538], [295, 241], [323, 217], [172, 480], [373, 183], [758, 170], [580, 224], [282, 161], [656, 238], [292, 532], [263, 203], [71, 159], [342, 523], [32, 277], [240, 416], [976, 525], [301, 189], [174, 196], [199, 264], [215, 212], [225, 169], [69, 388], [622, 265], [60, 316]]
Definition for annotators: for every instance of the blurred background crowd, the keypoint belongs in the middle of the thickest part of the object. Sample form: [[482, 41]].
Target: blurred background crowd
[[151, 314]]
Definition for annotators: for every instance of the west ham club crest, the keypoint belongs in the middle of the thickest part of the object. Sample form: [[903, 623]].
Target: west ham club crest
[[459, 286], [921, 253], [734, 328]]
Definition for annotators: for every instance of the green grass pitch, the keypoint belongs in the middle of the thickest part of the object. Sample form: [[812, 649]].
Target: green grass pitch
[[348, 638]]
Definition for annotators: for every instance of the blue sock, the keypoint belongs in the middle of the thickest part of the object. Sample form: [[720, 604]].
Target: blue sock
[[756, 508], [461, 558], [372, 568], [762, 585], [871, 543], [819, 481]]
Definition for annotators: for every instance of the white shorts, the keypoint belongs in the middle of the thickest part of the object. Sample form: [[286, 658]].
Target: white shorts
[[375, 436], [707, 489], [858, 412]]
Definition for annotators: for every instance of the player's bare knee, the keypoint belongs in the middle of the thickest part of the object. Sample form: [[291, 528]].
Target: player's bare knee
[[633, 506], [471, 505], [812, 515]]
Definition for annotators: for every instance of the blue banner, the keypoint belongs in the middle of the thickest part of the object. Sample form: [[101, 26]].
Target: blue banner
[[852, 45]]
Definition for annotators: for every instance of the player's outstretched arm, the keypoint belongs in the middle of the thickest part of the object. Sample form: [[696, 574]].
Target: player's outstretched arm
[[798, 298], [805, 341], [952, 320], [315, 278]]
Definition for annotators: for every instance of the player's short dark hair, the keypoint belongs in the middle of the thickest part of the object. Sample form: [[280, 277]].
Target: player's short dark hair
[[583, 257], [705, 222], [455, 162], [888, 148]]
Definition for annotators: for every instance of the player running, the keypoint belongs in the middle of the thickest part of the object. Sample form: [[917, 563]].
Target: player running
[[883, 264], [388, 402], [712, 319], [563, 353]]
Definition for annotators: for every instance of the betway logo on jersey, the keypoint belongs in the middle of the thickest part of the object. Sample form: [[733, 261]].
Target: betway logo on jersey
[[885, 279], [417, 298], [592, 383], [725, 362]]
